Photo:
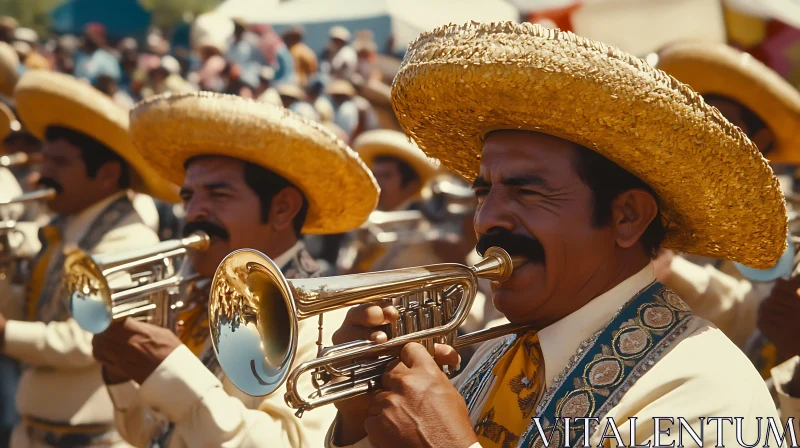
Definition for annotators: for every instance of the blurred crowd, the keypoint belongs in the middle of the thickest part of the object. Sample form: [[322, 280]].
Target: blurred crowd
[[254, 62]]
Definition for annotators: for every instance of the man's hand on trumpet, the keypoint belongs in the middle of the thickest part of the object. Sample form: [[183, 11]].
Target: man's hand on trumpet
[[132, 349], [418, 396], [364, 322]]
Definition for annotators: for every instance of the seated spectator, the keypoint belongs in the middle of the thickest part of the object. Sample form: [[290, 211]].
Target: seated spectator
[[305, 61], [340, 58], [243, 45], [340, 93], [27, 46], [265, 93], [109, 86], [276, 54], [94, 59], [294, 98]]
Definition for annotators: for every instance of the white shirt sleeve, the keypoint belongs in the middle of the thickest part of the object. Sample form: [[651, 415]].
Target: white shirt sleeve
[[205, 415]]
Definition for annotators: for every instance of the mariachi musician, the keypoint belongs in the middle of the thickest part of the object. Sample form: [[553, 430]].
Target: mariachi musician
[[578, 153], [91, 164], [402, 171], [766, 108], [253, 175]]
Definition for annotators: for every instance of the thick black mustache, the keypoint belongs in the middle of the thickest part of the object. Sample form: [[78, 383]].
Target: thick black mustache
[[213, 230], [50, 183], [512, 243]]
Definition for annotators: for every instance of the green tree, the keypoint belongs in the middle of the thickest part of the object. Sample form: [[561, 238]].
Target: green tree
[[167, 13], [30, 13]]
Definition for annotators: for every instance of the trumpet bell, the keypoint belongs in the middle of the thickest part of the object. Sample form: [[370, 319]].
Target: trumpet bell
[[146, 284], [253, 331], [90, 301]]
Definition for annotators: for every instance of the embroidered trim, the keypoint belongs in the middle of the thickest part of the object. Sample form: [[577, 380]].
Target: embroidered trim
[[589, 386]]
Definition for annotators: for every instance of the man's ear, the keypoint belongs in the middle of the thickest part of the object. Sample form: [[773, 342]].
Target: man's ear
[[109, 173], [631, 212], [284, 207]]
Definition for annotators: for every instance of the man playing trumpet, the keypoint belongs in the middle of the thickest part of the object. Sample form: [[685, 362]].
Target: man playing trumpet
[[584, 160], [91, 164], [256, 176]]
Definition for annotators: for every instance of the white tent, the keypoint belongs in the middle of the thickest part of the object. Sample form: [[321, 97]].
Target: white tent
[[404, 20], [243, 8]]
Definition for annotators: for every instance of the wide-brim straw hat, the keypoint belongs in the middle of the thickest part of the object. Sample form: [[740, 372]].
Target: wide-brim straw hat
[[9, 61], [387, 142], [719, 197], [291, 90], [168, 130], [341, 87], [716, 68], [47, 99]]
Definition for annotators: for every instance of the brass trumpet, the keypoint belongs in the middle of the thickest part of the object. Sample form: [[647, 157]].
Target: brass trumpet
[[45, 194], [11, 238], [442, 209], [254, 312], [16, 159], [145, 284]]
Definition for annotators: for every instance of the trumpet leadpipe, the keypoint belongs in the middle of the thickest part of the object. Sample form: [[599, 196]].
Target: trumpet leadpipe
[[46, 194], [12, 160]]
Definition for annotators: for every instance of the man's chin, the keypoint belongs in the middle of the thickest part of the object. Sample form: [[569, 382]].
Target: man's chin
[[204, 265], [516, 297]]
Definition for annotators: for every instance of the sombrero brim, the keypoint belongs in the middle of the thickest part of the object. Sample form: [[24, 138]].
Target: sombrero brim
[[384, 142], [6, 118], [47, 99], [8, 69], [714, 68], [719, 196], [168, 130]]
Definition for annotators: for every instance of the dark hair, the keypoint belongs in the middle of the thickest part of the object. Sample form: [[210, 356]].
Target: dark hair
[[753, 122], [94, 153], [407, 173], [266, 184], [607, 180]]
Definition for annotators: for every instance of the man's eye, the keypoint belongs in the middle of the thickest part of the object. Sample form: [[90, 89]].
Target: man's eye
[[525, 192]]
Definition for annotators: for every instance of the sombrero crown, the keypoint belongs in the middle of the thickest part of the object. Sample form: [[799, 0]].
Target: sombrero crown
[[46, 99], [718, 195], [168, 130], [716, 68]]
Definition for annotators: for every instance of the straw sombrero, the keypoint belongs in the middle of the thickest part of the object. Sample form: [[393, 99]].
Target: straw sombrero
[[47, 99], [715, 68], [387, 142], [168, 130], [719, 196], [9, 61]]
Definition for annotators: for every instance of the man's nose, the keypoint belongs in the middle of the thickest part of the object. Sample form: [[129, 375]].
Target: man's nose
[[493, 213], [196, 210]]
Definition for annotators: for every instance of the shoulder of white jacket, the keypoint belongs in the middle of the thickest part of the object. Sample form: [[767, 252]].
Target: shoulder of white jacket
[[131, 233], [703, 357]]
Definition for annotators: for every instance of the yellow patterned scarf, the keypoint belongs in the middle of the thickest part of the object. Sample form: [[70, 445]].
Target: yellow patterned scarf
[[51, 236], [516, 392], [193, 328]]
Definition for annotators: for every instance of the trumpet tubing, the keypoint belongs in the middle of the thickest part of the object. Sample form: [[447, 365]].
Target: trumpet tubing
[[145, 284], [255, 312], [12, 160], [47, 194]]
